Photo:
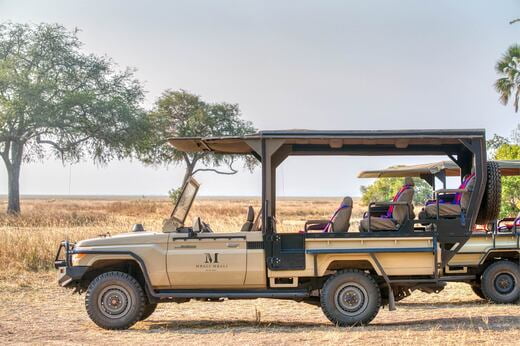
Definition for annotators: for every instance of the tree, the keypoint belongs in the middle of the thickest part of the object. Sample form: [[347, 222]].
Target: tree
[[182, 114], [56, 99], [384, 189], [510, 205], [508, 85]]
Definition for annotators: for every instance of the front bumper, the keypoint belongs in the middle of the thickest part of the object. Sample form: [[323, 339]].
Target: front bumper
[[67, 273]]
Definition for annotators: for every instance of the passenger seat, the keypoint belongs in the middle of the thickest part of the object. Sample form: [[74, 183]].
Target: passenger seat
[[451, 205], [396, 214], [339, 222]]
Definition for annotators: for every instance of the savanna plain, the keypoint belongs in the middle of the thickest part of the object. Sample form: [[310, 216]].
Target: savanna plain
[[33, 309]]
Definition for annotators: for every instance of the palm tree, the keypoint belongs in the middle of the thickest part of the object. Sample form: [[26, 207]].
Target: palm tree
[[508, 68]]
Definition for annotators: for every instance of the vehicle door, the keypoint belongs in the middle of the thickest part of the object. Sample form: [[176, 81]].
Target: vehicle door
[[206, 260]]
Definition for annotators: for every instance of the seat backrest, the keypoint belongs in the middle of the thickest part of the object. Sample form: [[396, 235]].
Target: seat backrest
[[340, 221], [248, 225], [405, 194], [463, 198]]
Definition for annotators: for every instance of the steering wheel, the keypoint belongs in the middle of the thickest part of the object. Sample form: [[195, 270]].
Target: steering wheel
[[205, 228], [200, 226]]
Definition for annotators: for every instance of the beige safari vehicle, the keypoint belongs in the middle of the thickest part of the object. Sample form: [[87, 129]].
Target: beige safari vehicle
[[351, 274]]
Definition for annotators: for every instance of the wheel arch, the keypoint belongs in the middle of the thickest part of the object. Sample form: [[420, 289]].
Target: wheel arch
[[493, 256], [335, 263], [127, 262]]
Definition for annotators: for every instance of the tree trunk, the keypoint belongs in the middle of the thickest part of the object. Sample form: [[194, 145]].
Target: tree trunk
[[188, 173], [13, 161], [13, 186]]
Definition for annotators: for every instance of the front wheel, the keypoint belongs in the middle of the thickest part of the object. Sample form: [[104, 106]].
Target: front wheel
[[115, 300], [148, 311], [350, 298], [501, 282]]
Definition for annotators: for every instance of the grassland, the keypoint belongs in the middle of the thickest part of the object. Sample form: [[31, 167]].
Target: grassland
[[34, 310]]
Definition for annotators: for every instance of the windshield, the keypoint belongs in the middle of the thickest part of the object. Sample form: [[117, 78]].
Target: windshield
[[185, 200]]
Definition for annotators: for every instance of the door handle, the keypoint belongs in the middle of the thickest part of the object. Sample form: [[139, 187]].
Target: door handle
[[232, 244], [186, 247]]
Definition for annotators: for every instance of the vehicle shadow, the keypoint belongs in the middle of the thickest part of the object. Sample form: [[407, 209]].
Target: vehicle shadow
[[440, 304], [495, 322]]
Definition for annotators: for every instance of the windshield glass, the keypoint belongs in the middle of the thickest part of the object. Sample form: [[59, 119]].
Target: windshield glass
[[183, 205]]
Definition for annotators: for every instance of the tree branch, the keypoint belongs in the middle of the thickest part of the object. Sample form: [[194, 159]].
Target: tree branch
[[233, 171]]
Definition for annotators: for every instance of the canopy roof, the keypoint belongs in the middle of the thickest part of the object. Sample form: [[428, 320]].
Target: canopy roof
[[507, 168], [335, 139]]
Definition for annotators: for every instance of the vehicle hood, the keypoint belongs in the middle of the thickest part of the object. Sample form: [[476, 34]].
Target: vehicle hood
[[125, 239]]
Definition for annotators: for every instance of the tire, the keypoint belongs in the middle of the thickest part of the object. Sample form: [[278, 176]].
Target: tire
[[478, 291], [148, 311], [501, 282], [350, 298], [490, 205], [115, 300]]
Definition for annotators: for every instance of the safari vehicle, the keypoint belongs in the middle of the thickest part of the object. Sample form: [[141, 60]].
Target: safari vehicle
[[487, 244], [350, 274]]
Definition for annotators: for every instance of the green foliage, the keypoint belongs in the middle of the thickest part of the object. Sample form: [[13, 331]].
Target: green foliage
[[508, 68], [56, 98], [510, 205], [384, 189], [182, 114], [174, 194]]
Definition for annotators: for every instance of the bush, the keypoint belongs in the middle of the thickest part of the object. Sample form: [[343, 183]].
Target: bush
[[384, 189], [510, 205], [174, 194]]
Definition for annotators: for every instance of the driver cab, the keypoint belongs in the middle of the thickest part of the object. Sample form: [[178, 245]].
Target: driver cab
[[197, 257]]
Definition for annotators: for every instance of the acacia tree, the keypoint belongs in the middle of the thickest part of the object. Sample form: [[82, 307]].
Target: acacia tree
[[56, 99], [182, 114]]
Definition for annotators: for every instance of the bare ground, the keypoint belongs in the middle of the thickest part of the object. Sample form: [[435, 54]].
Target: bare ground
[[34, 310]]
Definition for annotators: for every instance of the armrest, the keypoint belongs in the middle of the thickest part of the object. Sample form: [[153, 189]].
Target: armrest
[[314, 222], [377, 204]]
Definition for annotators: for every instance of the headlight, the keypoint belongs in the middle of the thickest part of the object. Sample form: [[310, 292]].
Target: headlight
[[76, 258]]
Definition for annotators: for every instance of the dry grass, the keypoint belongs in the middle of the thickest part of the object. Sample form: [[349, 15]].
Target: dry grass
[[29, 241], [34, 310]]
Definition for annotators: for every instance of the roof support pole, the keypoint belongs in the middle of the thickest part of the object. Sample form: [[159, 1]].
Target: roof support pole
[[269, 148]]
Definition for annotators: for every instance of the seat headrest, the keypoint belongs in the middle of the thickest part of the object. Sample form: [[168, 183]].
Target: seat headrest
[[347, 202], [409, 181], [250, 214]]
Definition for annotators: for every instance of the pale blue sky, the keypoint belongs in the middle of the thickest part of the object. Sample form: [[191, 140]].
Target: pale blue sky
[[291, 64]]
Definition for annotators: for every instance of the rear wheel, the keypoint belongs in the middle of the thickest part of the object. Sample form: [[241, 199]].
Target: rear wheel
[[350, 298], [115, 300], [501, 282], [478, 291]]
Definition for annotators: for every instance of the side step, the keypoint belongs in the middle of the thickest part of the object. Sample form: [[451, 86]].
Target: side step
[[249, 294]]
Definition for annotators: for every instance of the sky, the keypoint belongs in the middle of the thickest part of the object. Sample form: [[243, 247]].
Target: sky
[[348, 65]]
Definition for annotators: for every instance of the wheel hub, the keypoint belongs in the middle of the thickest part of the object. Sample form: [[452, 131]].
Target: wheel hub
[[114, 302], [504, 283], [351, 299]]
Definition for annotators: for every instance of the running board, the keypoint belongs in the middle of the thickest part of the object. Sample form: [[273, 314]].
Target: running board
[[457, 278], [250, 294]]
